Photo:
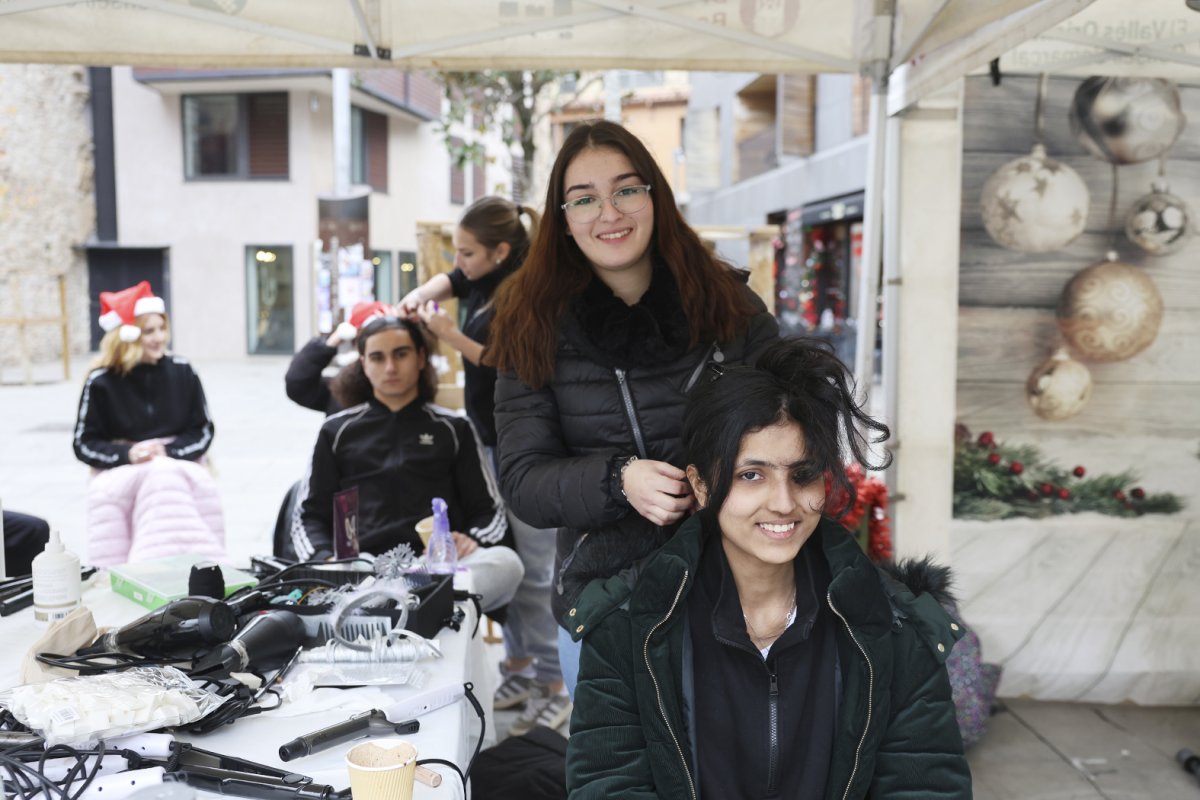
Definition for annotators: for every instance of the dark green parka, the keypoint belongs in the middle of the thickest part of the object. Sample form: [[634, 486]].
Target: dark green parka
[[896, 735]]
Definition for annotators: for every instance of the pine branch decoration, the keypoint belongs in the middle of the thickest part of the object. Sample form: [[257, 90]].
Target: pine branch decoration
[[994, 480]]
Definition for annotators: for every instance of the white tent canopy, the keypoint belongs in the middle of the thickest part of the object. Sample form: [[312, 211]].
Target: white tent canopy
[[780, 36], [926, 43]]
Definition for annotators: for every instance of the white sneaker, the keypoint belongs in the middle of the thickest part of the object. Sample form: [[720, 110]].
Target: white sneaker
[[545, 709], [513, 691]]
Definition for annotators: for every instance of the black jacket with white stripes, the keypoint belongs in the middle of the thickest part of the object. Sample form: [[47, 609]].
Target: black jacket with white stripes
[[400, 461], [160, 400]]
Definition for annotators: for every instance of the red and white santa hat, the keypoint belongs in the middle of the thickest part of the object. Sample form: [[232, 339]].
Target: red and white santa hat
[[121, 309], [360, 315]]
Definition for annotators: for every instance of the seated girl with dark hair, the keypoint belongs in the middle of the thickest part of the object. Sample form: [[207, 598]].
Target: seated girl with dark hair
[[760, 653]]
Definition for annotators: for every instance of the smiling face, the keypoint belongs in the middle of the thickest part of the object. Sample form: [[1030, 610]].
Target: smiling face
[[393, 366], [154, 337], [473, 258], [774, 502], [615, 242]]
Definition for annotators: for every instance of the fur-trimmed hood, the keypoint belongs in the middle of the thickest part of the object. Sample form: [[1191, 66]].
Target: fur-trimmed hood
[[923, 576]]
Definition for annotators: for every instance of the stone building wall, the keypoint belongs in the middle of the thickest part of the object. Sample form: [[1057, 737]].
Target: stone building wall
[[47, 205]]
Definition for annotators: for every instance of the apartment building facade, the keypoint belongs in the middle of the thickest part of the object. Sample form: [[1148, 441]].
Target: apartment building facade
[[789, 150], [222, 196]]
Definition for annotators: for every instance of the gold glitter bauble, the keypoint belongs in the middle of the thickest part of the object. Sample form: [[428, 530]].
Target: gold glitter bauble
[[1059, 387], [1109, 311]]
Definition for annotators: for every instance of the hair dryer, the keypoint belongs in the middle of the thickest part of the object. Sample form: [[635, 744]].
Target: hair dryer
[[266, 641], [176, 630]]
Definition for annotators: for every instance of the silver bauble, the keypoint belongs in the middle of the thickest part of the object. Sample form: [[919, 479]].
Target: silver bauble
[[1159, 222], [1127, 120], [1034, 204], [1059, 387], [1109, 311]]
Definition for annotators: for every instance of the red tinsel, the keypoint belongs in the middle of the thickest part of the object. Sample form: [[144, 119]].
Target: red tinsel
[[870, 505]]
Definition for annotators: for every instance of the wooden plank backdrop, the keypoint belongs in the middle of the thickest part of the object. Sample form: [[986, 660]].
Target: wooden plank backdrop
[[1007, 299]]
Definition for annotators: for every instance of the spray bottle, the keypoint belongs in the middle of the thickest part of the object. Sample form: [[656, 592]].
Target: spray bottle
[[56, 582], [441, 556]]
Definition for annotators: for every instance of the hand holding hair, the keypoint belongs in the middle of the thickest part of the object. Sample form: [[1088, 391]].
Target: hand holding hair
[[436, 319], [410, 304], [657, 490]]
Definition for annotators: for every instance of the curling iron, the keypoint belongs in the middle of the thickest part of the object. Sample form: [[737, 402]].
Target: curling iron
[[368, 723]]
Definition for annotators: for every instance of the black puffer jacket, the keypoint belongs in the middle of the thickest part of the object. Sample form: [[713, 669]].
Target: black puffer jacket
[[620, 382], [163, 400]]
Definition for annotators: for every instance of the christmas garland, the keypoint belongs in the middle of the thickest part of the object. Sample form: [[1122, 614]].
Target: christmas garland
[[868, 519], [993, 480]]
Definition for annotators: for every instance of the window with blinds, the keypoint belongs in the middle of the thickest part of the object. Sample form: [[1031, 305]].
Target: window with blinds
[[458, 176], [478, 181], [369, 148], [239, 136]]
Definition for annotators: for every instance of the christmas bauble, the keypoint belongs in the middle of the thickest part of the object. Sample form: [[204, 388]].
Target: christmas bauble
[[1034, 204], [1126, 120], [1159, 222], [1059, 387], [1109, 311]]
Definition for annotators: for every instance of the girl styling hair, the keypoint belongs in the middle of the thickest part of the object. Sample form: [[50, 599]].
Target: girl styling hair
[[350, 387], [798, 379], [530, 304], [493, 220]]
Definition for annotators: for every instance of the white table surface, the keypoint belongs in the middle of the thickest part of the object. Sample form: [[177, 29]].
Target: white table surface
[[449, 733]]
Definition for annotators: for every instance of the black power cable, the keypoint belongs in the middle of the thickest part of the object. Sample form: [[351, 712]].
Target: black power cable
[[465, 776]]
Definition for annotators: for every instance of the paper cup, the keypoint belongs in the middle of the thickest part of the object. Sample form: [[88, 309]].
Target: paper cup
[[382, 769], [425, 530]]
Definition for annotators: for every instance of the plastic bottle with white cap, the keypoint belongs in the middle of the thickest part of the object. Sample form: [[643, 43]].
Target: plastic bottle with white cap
[[56, 582]]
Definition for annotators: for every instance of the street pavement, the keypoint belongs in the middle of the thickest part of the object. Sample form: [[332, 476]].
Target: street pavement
[[1032, 750]]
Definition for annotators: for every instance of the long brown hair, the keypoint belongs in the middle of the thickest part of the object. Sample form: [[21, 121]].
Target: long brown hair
[[530, 304]]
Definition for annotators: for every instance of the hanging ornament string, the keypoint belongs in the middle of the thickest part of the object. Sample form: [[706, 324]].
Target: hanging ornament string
[[1038, 115], [1112, 215]]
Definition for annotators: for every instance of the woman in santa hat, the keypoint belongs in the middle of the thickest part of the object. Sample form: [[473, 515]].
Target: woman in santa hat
[[143, 425]]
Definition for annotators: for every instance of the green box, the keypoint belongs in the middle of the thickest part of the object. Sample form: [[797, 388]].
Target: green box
[[158, 581]]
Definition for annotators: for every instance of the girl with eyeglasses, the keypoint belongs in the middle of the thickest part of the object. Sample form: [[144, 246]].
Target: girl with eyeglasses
[[598, 338], [760, 653]]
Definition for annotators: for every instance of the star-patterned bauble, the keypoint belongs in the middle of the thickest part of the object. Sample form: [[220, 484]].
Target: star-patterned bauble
[[1109, 311], [1059, 387], [1127, 120], [1159, 222], [1034, 204]]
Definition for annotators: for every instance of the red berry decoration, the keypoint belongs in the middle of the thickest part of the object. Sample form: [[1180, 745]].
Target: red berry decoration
[[1064, 494], [1047, 489], [993, 458], [1138, 493], [1016, 468], [1119, 496], [1079, 472], [986, 439]]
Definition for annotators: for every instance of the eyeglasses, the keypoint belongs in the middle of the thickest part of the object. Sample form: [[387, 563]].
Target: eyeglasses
[[626, 200]]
